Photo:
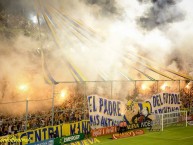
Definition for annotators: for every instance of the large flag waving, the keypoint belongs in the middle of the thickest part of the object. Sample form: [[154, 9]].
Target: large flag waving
[[47, 75]]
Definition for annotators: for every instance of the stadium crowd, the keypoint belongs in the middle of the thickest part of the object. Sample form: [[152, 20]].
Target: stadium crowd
[[12, 124], [64, 113]]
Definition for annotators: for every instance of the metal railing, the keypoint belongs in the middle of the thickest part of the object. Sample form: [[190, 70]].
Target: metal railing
[[53, 110]]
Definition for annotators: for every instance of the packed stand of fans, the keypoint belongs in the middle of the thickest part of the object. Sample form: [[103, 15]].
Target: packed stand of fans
[[12, 124], [65, 113], [186, 96]]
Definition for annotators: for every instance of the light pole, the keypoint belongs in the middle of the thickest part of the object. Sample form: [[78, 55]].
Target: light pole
[[24, 88], [53, 93], [26, 114]]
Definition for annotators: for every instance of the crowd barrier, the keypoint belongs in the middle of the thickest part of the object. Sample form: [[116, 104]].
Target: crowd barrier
[[46, 133]]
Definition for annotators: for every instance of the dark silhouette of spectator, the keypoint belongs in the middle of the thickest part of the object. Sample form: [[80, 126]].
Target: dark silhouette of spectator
[[121, 125]]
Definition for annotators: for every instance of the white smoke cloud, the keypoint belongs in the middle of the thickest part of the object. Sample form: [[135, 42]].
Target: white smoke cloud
[[117, 30], [121, 32]]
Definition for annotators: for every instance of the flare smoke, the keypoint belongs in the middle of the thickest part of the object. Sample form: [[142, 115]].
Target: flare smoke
[[160, 30]]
